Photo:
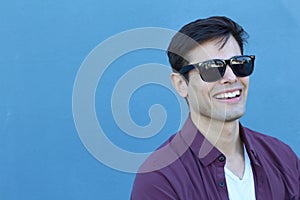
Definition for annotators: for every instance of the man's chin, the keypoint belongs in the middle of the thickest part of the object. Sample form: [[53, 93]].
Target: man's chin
[[233, 117], [229, 117]]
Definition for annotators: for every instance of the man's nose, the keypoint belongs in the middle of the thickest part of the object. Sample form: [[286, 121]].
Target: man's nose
[[229, 76]]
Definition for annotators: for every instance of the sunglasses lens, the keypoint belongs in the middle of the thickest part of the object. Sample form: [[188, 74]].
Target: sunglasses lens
[[212, 70], [242, 66]]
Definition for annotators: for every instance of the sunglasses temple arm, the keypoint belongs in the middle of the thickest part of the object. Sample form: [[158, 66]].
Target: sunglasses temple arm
[[186, 69]]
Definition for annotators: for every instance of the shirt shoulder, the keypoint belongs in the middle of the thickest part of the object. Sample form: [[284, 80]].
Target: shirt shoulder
[[155, 177], [264, 142], [272, 152]]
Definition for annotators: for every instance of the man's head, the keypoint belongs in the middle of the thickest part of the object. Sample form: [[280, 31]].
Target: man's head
[[200, 31], [222, 98]]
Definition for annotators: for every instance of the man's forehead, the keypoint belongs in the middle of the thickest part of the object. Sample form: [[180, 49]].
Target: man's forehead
[[211, 49]]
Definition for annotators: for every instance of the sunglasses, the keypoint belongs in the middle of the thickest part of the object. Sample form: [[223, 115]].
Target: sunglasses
[[214, 70]]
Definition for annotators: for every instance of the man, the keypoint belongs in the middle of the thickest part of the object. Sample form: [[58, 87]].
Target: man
[[213, 156]]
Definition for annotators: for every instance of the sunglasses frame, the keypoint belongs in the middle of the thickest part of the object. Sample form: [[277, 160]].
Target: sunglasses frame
[[185, 69]]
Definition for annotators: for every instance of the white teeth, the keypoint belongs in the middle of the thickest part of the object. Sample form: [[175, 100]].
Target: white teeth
[[228, 95], [220, 96]]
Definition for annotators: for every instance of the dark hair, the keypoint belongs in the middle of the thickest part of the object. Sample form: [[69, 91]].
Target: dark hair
[[202, 30]]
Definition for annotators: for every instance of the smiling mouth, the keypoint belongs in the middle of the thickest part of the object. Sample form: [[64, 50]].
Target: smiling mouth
[[229, 95]]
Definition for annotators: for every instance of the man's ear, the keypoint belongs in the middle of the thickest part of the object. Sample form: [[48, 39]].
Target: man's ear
[[180, 84]]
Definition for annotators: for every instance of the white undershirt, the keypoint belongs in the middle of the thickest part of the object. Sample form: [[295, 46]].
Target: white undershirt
[[241, 188]]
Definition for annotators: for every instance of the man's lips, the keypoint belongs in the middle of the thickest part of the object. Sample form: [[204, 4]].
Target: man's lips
[[229, 94]]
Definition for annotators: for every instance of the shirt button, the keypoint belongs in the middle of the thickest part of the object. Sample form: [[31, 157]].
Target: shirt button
[[222, 184], [221, 158]]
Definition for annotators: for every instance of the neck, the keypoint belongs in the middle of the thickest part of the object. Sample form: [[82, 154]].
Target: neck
[[223, 135]]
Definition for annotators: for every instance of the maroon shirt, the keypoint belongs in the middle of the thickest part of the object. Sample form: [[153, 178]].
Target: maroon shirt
[[188, 167]]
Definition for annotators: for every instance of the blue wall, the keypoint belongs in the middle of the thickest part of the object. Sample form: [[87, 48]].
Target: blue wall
[[44, 43]]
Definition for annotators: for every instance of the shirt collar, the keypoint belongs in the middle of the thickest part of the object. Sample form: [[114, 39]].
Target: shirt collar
[[196, 141], [207, 152], [247, 138]]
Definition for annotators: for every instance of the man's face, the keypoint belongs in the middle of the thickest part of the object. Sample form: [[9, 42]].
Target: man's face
[[224, 99]]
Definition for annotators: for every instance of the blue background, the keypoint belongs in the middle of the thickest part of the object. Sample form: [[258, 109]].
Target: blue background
[[43, 44]]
